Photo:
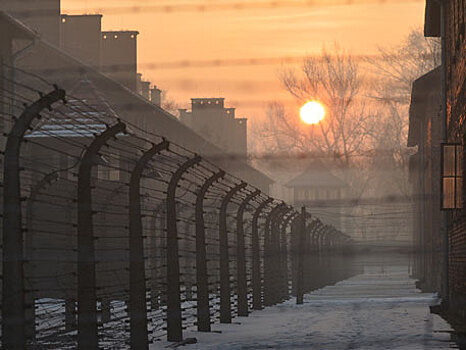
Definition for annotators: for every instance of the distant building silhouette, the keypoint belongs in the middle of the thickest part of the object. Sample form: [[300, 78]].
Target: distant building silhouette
[[321, 191], [80, 35], [209, 118], [425, 127]]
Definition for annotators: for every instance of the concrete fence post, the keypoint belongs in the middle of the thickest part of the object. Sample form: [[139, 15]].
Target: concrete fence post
[[202, 281], [87, 308], [256, 259], [309, 258], [301, 248], [276, 257], [268, 254], [284, 247], [137, 277], [241, 256], [174, 317], [13, 305], [156, 260], [225, 288], [30, 316]]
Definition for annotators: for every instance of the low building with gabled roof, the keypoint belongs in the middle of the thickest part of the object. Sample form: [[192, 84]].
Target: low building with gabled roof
[[320, 191]]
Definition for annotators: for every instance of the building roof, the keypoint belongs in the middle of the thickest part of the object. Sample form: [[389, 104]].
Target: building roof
[[14, 28], [64, 15], [426, 101], [84, 118], [317, 175], [135, 32]]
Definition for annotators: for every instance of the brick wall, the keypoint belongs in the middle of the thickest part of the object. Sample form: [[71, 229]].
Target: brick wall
[[455, 59]]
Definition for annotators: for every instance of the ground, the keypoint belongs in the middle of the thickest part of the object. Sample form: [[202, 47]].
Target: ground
[[378, 309]]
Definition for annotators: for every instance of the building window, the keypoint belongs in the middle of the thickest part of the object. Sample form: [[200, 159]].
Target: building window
[[452, 176]]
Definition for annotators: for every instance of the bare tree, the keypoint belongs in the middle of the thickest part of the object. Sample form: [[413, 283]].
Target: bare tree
[[397, 68], [169, 104], [366, 126], [335, 80]]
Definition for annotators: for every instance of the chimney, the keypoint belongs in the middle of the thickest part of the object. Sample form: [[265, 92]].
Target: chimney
[[119, 57], [80, 36], [145, 88], [139, 83], [156, 96]]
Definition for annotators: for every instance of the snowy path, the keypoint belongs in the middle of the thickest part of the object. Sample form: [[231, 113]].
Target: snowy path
[[380, 309]]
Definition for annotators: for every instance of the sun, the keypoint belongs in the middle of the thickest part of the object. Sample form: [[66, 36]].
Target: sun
[[312, 112]]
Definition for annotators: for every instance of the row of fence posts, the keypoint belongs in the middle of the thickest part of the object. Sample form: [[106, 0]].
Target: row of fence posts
[[301, 258]]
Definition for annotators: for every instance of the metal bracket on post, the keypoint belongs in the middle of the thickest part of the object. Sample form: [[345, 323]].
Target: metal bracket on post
[[203, 307], [225, 289], [174, 318], [87, 312], [242, 283], [137, 278], [13, 306], [256, 260]]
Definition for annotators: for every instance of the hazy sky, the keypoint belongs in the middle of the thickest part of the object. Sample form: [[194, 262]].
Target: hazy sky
[[187, 33]]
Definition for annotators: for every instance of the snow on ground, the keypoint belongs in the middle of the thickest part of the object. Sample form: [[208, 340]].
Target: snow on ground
[[379, 309]]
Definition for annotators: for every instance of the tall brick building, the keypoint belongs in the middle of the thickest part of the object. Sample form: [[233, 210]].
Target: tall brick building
[[446, 19]]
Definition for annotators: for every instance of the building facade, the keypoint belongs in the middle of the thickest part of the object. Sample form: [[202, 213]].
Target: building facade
[[320, 191], [80, 35], [210, 119], [119, 57], [446, 19]]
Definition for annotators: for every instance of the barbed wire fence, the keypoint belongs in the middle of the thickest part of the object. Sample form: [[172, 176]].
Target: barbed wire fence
[[116, 238]]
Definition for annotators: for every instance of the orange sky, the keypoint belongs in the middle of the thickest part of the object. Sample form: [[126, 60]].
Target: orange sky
[[284, 31]]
